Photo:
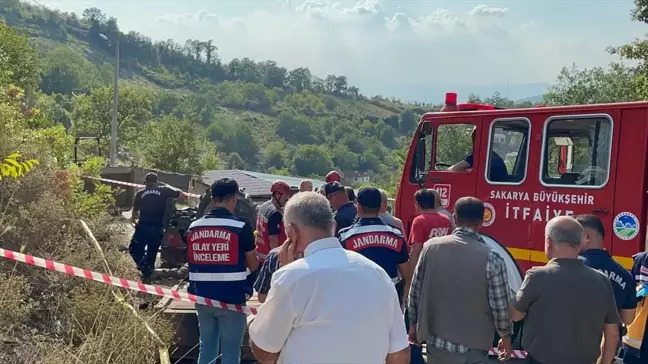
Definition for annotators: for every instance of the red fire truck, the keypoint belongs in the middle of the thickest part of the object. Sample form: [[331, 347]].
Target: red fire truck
[[559, 161]]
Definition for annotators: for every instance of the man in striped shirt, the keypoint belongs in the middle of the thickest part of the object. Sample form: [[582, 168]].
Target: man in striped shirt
[[270, 265], [460, 293]]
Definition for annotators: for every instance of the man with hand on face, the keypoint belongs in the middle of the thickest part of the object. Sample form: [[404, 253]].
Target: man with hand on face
[[290, 328], [269, 224], [381, 243]]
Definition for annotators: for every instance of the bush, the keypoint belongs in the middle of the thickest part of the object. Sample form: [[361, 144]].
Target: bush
[[49, 317]]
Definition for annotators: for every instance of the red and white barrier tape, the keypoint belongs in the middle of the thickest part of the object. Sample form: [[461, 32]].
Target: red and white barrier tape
[[121, 282], [517, 354], [147, 288], [130, 184]]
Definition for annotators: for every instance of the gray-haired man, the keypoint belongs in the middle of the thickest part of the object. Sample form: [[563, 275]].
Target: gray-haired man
[[283, 330], [568, 306], [385, 216]]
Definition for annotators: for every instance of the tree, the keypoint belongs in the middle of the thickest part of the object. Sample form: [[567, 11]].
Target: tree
[[273, 75], [300, 78], [274, 155], [329, 83], [498, 100], [66, 70], [210, 51], [18, 60], [388, 137], [94, 15], [294, 128], [592, 86], [234, 161], [312, 160], [407, 122], [93, 115], [176, 145], [340, 84], [354, 91], [473, 99], [344, 159]]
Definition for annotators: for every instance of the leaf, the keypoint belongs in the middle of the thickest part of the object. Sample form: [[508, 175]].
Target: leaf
[[14, 155], [12, 162]]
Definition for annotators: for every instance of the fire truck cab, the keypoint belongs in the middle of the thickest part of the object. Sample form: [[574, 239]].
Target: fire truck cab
[[589, 159]]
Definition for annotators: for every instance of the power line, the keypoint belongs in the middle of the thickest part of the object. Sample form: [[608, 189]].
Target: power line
[[49, 11]]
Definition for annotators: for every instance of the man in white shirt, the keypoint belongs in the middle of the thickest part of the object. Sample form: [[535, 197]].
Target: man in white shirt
[[331, 306]]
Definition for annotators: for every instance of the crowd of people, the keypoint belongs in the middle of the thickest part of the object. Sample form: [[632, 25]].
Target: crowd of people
[[342, 281]]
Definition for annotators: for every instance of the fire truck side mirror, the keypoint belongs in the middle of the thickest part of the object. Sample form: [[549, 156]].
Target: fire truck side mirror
[[420, 156]]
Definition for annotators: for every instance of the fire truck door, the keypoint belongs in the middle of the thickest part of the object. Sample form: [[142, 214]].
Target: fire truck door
[[576, 175], [456, 158]]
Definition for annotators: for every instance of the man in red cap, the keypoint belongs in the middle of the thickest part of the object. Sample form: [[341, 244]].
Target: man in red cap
[[333, 176]]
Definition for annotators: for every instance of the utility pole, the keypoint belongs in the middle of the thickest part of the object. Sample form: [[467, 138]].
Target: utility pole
[[113, 129]]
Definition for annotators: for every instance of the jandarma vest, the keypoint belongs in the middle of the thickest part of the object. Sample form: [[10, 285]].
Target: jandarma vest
[[217, 268], [377, 241]]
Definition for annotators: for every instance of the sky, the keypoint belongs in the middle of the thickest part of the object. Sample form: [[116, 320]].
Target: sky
[[409, 49]]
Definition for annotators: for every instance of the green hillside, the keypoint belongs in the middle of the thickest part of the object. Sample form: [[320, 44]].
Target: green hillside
[[258, 115]]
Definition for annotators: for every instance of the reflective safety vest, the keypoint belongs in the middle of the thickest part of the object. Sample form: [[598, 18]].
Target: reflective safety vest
[[266, 213], [635, 331], [377, 241], [217, 268]]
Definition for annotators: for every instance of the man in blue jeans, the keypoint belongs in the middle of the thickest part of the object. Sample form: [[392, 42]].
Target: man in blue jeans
[[221, 255]]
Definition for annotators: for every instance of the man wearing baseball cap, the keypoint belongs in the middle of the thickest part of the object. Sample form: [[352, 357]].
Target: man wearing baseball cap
[[381, 243], [345, 210]]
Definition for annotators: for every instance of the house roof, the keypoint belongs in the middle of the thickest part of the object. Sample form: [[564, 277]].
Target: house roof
[[254, 183]]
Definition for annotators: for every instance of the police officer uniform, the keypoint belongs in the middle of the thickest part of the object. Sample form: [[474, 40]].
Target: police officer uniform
[[217, 245], [150, 202], [371, 237]]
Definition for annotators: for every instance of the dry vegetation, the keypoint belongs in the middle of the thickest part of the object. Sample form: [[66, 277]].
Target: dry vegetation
[[48, 317]]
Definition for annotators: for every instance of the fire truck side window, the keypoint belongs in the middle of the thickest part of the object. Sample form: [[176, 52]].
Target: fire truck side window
[[453, 144], [509, 143], [577, 152]]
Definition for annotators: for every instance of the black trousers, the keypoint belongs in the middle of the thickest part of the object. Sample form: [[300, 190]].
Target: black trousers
[[144, 247]]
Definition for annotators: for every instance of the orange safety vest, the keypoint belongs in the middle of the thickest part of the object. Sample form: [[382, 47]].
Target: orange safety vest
[[635, 335]]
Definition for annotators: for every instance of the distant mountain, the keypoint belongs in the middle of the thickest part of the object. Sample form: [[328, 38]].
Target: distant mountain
[[434, 93], [533, 99]]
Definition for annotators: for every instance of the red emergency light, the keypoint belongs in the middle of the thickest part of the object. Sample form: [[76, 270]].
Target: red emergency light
[[450, 103]]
